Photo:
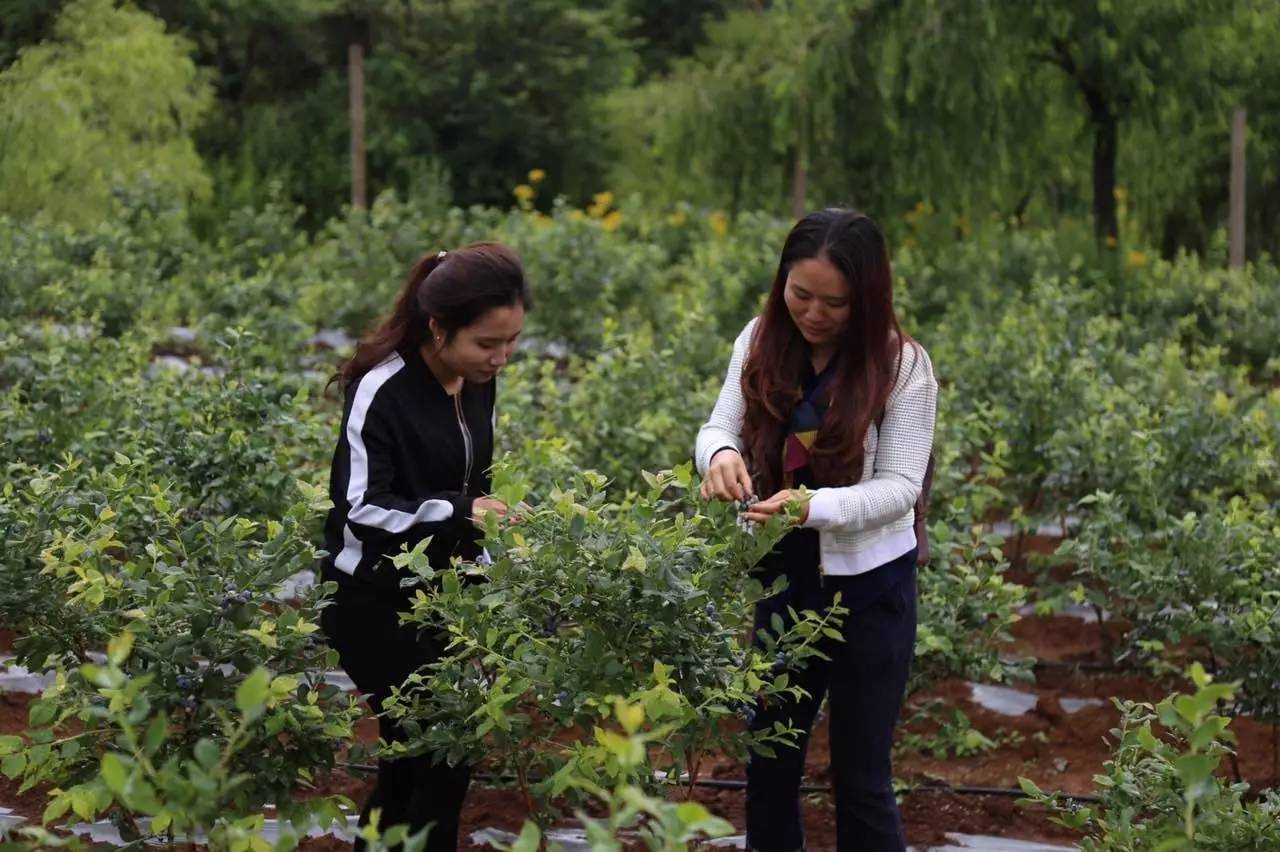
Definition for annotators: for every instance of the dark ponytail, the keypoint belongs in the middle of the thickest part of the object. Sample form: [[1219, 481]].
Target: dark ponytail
[[455, 289]]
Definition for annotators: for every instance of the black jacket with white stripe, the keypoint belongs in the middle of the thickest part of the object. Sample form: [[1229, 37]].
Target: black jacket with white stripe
[[409, 462]]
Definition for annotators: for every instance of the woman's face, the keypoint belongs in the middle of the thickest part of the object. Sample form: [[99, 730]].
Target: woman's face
[[817, 298], [480, 350]]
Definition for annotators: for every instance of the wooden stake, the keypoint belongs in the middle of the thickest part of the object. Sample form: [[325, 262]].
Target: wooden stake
[[355, 85], [1236, 256]]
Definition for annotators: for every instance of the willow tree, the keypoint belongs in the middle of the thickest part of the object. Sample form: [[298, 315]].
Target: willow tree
[[1130, 64], [109, 102], [969, 129], [744, 121], [832, 101]]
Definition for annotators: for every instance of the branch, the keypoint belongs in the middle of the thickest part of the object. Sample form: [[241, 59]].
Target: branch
[[1063, 51], [1052, 59]]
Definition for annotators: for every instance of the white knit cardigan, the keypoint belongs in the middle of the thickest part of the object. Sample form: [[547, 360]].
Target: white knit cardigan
[[863, 525]]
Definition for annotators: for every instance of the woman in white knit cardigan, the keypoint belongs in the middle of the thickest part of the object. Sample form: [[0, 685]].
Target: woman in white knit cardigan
[[825, 391]]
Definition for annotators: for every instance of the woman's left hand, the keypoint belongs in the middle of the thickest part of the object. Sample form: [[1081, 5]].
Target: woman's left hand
[[766, 509]]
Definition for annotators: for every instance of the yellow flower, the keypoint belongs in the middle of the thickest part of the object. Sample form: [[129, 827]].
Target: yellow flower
[[915, 214], [678, 218], [576, 216], [1137, 259], [612, 221], [1121, 194], [1112, 242], [602, 201], [719, 222], [523, 193], [537, 176]]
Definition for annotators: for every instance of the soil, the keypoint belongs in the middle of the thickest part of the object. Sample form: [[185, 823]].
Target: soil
[[13, 720], [1063, 638]]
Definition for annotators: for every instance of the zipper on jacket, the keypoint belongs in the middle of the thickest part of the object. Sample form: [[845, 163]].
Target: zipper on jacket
[[466, 441]]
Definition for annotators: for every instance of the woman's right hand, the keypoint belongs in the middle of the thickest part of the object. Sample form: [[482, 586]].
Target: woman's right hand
[[727, 477], [482, 506]]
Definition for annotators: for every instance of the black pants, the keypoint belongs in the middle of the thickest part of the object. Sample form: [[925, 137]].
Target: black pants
[[378, 653], [864, 679]]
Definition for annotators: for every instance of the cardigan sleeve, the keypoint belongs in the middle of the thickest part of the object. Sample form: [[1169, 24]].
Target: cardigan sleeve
[[903, 445], [723, 428]]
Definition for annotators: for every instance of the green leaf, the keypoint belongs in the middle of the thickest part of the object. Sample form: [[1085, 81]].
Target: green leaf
[[120, 647], [13, 765], [83, 803], [157, 731], [206, 752], [1207, 732], [251, 694], [105, 677], [56, 808], [1194, 770], [1029, 787], [10, 745], [114, 773], [530, 839], [42, 713], [692, 813], [630, 716]]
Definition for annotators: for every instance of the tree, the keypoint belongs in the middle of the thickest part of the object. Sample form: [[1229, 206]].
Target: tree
[[110, 102], [1126, 64], [745, 120], [667, 30], [492, 89], [477, 92], [24, 22], [826, 101]]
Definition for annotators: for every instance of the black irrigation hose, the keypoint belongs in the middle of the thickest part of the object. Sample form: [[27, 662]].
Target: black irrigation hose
[[738, 784], [1007, 792]]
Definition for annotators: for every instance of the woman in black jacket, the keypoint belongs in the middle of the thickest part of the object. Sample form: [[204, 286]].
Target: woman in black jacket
[[412, 462]]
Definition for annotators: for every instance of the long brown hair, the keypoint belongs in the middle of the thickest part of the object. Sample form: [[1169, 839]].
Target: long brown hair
[[863, 365], [454, 288]]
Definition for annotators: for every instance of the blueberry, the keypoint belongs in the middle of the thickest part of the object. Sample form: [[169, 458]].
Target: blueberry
[[781, 660], [188, 704], [44, 436], [550, 626], [711, 610], [562, 697], [184, 682], [230, 588], [245, 595]]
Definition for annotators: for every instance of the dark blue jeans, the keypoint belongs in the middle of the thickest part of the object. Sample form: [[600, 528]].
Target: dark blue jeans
[[864, 681]]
